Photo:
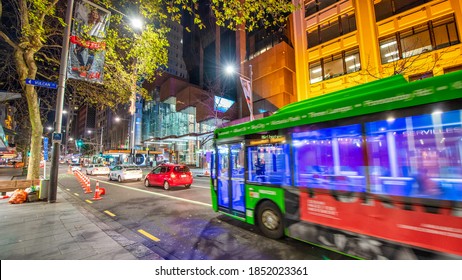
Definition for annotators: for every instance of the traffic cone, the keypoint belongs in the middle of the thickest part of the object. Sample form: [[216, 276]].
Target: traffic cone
[[102, 191], [69, 170], [86, 183], [87, 187], [97, 194]]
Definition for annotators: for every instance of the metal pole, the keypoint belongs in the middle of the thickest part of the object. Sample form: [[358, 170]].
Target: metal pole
[[68, 124], [251, 92], [101, 147], [132, 137], [53, 187]]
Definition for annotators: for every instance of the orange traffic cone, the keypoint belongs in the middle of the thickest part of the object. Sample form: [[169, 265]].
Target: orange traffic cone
[[97, 194], [102, 191], [87, 187]]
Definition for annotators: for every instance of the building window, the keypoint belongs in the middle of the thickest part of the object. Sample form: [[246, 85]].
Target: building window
[[335, 65], [259, 41], [315, 72], [420, 76], [387, 8], [419, 39], [314, 6], [452, 69], [445, 32], [344, 24], [415, 41]]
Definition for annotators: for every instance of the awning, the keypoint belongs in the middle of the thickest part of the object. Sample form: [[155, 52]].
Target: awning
[[8, 154]]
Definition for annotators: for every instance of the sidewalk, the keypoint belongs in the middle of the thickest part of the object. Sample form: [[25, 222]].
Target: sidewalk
[[64, 230]]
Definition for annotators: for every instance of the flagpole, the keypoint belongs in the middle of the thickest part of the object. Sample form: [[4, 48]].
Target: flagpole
[[246, 83], [251, 92]]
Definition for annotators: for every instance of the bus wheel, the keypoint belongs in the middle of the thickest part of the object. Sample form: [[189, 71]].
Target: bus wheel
[[270, 220]]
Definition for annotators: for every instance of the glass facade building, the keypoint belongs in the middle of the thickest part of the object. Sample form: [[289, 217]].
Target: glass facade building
[[175, 136]]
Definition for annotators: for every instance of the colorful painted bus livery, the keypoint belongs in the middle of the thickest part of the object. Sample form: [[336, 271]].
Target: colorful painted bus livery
[[373, 171]]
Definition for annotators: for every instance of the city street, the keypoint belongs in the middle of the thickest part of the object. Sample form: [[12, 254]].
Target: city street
[[180, 224]]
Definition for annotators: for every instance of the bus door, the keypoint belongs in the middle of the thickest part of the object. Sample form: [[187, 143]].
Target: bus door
[[230, 177]]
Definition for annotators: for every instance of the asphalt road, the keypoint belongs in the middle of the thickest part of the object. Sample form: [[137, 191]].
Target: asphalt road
[[180, 224]]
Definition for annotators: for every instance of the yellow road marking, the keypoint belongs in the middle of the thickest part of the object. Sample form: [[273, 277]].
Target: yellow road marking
[[89, 201], [109, 213], [68, 189], [148, 235], [76, 194]]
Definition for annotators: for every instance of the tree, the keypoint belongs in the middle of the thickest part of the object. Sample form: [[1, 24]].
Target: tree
[[32, 30]]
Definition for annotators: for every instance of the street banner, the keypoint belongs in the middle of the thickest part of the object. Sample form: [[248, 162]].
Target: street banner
[[246, 87], [88, 46]]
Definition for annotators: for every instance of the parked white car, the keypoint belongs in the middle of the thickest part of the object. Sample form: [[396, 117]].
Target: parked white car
[[125, 172], [97, 169]]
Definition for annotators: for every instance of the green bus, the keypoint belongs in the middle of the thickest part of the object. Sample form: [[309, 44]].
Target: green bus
[[373, 171]]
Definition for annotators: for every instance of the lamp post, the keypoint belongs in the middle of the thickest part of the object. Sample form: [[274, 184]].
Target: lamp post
[[138, 25], [100, 146], [246, 83], [53, 187], [129, 128]]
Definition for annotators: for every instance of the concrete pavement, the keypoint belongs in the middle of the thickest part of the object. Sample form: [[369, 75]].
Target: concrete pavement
[[65, 230]]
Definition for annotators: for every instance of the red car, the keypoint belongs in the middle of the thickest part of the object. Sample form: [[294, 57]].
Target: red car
[[169, 175]]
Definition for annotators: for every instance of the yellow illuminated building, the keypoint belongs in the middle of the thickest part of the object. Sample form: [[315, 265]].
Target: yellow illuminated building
[[342, 43]]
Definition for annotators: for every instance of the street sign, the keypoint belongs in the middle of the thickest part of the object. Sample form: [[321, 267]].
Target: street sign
[[45, 148], [39, 83], [57, 137]]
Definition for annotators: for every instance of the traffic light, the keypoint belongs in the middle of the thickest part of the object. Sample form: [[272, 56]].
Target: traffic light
[[79, 143]]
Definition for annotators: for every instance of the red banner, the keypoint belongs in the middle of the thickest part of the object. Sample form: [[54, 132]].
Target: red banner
[[88, 46]]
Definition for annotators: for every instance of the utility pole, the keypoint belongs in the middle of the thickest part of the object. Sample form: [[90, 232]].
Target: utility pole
[[101, 147], [53, 187]]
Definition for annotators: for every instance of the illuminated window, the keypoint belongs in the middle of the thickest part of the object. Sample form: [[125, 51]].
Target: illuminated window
[[327, 31], [387, 8], [334, 66], [432, 35]]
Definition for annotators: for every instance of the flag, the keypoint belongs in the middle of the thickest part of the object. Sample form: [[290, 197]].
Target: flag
[[87, 50], [247, 88]]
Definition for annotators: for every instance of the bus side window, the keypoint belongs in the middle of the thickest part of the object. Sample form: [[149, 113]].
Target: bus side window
[[269, 164], [329, 158], [421, 153]]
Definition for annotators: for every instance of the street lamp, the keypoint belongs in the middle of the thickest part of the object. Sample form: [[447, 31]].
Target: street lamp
[[53, 187], [138, 25], [131, 130], [90, 130], [246, 83]]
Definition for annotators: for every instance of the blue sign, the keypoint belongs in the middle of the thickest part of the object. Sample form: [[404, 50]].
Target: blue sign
[[45, 148], [57, 137], [39, 83]]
